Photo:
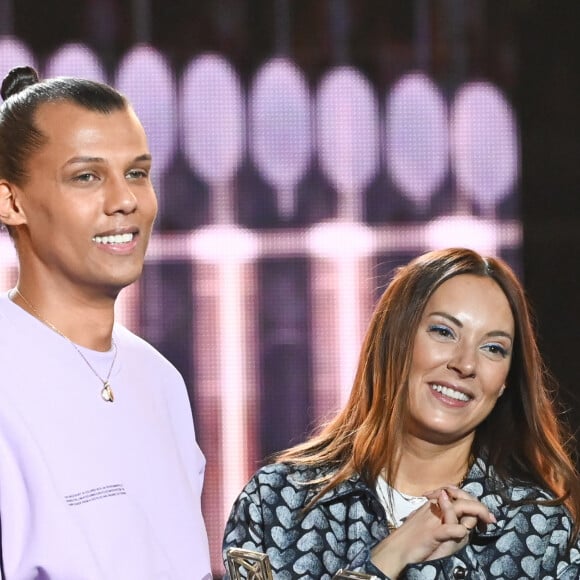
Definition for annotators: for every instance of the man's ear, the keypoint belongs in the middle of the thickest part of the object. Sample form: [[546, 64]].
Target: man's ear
[[11, 210]]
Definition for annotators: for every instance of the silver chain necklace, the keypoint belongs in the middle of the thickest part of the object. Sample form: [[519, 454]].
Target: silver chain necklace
[[388, 500], [106, 392]]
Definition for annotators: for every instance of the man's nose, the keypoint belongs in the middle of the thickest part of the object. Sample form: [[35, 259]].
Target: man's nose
[[120, 197]]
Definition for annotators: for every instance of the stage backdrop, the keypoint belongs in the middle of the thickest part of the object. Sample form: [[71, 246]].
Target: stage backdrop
[[285, 206]]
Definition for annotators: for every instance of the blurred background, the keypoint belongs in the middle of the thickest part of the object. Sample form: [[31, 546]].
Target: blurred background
[[302, 151]]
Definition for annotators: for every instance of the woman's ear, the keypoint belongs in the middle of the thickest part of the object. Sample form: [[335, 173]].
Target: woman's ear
[[11, 211], [502, 389]]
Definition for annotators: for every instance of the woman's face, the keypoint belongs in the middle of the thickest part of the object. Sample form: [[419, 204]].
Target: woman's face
[[461, 358]]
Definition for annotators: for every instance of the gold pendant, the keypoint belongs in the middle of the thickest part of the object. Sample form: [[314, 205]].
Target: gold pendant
[[107, 393]]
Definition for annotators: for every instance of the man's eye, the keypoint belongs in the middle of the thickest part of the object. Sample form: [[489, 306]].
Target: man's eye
[[137, 174], [85, 177]]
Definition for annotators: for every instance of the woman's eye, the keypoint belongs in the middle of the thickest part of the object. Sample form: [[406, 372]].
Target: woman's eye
[[442, 331], [497, 349]]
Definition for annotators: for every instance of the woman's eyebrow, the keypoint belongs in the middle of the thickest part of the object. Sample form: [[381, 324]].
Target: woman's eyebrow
[[457, 322], [448, 316]]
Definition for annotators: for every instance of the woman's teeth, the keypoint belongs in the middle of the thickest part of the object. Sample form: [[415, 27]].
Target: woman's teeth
[[451, 393]]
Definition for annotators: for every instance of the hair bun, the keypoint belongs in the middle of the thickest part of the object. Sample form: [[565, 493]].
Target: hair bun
[[18, 79]]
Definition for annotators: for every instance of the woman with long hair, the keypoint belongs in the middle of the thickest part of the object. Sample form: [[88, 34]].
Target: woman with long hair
[[448, 460]]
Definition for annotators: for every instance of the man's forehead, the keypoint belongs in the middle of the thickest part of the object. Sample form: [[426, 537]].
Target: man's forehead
[[54, 111], [70, 124]]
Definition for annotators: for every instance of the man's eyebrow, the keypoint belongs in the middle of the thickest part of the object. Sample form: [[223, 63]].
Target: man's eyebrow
[[84, 159], [90, 159]]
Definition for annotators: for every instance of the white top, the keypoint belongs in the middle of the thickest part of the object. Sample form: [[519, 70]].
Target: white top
[[91, 490], [398, 505]]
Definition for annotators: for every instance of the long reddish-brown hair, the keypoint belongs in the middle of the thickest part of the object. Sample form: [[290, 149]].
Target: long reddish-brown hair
[[522, 437]]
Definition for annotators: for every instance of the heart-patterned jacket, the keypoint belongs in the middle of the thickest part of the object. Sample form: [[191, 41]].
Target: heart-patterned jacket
[[530, 540]]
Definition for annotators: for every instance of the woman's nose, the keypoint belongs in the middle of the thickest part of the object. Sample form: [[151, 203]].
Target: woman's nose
[[463, 362]]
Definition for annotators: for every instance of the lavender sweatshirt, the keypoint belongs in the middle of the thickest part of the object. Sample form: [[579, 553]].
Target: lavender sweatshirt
[[91, 490]]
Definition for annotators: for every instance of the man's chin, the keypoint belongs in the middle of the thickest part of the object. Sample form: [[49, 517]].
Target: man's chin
[[114, 288]]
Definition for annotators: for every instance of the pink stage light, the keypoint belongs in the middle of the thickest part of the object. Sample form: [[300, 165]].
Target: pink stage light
[[417, 142], [280, 128]]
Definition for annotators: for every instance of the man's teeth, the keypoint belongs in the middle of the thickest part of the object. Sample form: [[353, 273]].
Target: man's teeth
[[116, 239], [451, 393]]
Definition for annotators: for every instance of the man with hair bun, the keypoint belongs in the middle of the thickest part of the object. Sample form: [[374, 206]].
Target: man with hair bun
[[100, 473]]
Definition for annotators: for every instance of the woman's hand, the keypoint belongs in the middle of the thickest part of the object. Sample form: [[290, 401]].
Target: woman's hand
[[437, 529], [459, 510], [465, 512]]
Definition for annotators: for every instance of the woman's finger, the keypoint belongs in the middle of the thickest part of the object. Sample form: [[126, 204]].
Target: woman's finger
[[466, 509], [448, 513], [469, 523]]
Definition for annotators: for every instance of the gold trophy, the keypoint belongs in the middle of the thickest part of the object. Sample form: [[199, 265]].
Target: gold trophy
[[248, 565]]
